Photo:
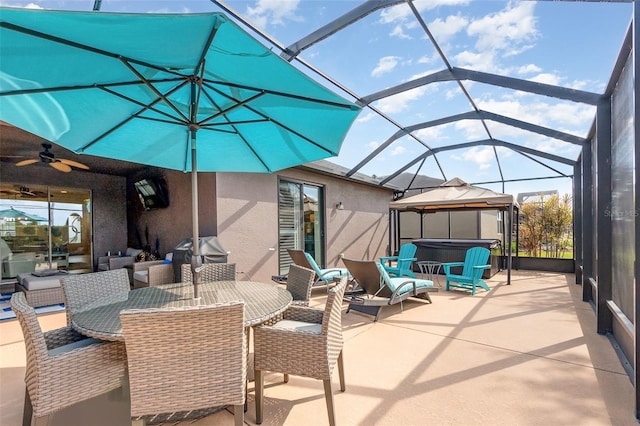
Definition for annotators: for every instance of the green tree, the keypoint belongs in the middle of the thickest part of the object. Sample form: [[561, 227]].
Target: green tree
[[546, 226]]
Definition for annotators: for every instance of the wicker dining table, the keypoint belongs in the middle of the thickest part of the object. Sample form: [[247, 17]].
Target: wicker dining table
[[101, 318]]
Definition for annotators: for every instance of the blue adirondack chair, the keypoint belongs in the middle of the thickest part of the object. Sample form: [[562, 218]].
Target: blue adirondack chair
[[475, 262], [403, 261]]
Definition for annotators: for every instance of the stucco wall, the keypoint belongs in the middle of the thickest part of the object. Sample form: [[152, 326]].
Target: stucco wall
[[248, 220], [174, 223], [108, 202]]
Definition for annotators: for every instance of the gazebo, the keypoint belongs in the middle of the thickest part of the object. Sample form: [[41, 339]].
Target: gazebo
[[456, 195]]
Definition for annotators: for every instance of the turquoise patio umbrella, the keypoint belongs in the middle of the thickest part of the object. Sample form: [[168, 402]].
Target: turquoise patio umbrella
[[190, 92], [14, 214]]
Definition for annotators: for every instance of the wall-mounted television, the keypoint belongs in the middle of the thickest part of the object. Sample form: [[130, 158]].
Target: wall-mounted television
[[152, 193]]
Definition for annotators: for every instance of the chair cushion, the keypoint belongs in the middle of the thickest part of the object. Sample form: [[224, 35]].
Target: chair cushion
[[132, 252], [142, 276], [394, 283], [307, 327], [419, 283], [31, 282], [313, 263]]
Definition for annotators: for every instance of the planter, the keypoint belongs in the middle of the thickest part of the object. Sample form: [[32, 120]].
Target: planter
[[542, 264]]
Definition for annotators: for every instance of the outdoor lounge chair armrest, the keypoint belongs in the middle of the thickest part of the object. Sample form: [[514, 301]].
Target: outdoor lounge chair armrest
[[447, 266], [388, 259], [482, 267], [303, 313]]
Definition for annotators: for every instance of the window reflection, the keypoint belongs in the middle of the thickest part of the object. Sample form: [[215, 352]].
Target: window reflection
[[44, 228]]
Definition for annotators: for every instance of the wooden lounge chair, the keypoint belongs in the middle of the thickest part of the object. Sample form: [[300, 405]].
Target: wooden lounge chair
[[475, 262], [376, 289], [323, 276], [401, 265]]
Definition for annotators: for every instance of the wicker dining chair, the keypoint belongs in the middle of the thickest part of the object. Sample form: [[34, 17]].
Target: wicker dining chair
[[210, 272], [63, 366], [299, 283], [307, 342], [81, 289], [186, 359]]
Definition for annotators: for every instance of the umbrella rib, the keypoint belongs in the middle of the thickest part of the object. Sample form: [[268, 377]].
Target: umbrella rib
[[148, 106], [230, 123], [128, 119], [270, 119], [201, 63], [153, 89], [237, 104], [283, 94], [235, 130], [84, 87], [289, 129]]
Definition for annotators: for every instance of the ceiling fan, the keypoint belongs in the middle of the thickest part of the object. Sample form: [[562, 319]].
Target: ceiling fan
[[23, 192], [49, 158]]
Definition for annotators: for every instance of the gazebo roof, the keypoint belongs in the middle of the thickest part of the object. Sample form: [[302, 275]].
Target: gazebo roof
[[455, 194]]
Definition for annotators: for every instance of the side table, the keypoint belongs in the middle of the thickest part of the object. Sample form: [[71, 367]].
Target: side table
[[429, 268]]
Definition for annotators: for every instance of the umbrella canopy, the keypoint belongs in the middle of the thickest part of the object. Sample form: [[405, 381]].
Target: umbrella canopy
[[455, 194], [134, 87], [14, 214], [146, 88]]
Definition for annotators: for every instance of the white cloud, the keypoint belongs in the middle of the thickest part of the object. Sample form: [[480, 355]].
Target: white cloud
[[363, 118], [402, 11], [398, 103], [274, 12], [528, 69], [398, 150], [398, 31], [401, 16], [429, 134], [484, 61], [443, 30], [507, 29], [373, 145], [484, 157], [472, 129], [386, 64], [547, 78], [20, 5], [428, 59]]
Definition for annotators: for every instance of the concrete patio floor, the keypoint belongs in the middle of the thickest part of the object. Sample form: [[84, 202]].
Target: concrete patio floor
[[524, 354]]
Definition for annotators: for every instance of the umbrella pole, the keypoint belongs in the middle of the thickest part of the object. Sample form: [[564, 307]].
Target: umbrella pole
[[196, 260]]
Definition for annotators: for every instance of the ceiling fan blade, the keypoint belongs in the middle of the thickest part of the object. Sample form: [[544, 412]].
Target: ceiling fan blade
[[73, 163], [61, 167], [27, 162]]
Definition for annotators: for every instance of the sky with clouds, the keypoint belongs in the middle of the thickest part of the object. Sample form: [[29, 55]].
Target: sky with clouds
[[568, 44]]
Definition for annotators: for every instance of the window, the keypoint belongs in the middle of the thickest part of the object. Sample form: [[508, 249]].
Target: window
[[48, 226], [301, 221]]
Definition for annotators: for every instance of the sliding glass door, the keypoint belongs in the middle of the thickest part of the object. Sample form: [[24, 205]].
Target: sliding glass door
[[43, 227], [301, 221]]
